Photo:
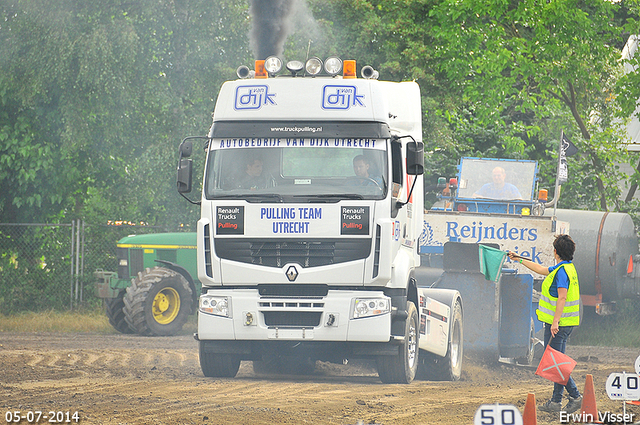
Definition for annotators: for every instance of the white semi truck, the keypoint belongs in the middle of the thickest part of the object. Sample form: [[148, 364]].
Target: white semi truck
[[311, 213]]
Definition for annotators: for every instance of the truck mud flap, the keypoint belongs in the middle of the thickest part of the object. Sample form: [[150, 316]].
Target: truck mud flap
[[516, 314]]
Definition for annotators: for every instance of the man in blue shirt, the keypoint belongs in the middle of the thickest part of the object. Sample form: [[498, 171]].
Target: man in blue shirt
[[361, 165], [498, 189]]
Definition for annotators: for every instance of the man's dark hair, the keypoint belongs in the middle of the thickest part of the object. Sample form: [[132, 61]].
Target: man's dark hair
[[362, 158], [565, 247]]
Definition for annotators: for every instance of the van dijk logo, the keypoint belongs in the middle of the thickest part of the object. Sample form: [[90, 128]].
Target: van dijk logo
[[253, 97], [341, 97]]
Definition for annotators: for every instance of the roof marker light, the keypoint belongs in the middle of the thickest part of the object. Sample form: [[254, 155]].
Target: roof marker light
[[349, 69], [333, 65], [273, 65], [260, 71], [313, 66], [295, 67]]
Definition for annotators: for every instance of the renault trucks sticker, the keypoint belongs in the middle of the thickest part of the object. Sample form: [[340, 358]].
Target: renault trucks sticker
[[230, 220], [253, 97], [354, 221], [341, 97]]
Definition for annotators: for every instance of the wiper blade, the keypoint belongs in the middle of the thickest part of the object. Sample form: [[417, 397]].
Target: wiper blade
[[253, 196], [331, 196]]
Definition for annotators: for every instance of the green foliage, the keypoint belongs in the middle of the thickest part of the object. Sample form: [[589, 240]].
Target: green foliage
[[95, 97], [619, 330]]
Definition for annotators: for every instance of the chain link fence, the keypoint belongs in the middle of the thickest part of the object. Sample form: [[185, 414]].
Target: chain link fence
[[50, 266]]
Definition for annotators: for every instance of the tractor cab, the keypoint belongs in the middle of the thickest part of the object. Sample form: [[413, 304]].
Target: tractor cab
[[488, 185]]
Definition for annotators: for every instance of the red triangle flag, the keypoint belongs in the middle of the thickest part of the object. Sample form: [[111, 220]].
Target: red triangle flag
[[555, 366]]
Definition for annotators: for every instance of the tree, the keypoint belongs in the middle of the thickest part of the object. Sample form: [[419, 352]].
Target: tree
[[521, 66], [95, 98]]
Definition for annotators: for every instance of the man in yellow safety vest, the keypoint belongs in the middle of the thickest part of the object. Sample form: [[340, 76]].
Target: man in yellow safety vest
[[559, 310]]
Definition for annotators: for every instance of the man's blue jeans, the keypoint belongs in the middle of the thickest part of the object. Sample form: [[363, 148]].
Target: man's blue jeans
[[559, 342]]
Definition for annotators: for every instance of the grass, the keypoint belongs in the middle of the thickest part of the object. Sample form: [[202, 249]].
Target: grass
[[91, 321], [87, 321], [619, 330]]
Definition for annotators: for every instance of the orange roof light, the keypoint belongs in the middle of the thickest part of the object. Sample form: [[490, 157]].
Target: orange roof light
[[543, 195], [260, 71], [349, 69]]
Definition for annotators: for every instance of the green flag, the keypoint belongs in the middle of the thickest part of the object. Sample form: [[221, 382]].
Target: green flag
[[491, 260]]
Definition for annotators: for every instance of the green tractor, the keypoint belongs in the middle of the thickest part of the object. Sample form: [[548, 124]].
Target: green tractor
[[156, 287]]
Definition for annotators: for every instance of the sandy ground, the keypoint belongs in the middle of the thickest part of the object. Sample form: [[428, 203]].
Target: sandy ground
[[126, 379]]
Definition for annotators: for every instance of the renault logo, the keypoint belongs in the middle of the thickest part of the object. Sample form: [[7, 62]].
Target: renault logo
[[292, 273]]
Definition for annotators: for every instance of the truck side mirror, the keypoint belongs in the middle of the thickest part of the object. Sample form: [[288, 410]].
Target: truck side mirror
[[186, 147], [415, 158], [185, 174]]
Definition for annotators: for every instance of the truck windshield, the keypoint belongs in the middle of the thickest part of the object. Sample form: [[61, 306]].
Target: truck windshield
[[497, 179], [296, 170]]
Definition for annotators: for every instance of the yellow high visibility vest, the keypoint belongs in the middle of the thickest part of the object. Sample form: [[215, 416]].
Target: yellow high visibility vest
[[547, 305]]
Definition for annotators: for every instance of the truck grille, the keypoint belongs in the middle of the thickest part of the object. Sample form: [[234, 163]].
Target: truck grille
[[306, 253], [294, 319]]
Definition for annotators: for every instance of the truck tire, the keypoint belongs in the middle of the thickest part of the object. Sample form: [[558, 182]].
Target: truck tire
[[158, 302], [449, 367], [215, 365], [114, 309], [402, 368]]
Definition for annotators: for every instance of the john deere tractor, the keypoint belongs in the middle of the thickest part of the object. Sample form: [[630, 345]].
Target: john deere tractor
[[156, 287]]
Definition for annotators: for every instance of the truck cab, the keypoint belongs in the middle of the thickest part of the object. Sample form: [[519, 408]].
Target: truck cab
[[311, 211]]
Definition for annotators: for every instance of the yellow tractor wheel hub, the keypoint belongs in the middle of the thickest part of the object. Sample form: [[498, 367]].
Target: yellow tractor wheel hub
[[166, 306]]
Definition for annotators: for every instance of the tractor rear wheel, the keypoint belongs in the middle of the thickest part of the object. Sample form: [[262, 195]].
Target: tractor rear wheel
[[114, 309], [158, 302]]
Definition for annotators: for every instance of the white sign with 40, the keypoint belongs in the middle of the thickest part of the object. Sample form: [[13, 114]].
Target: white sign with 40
[[623, 386]]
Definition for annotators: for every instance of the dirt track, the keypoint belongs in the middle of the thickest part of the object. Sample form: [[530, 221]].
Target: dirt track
[[124, 379]]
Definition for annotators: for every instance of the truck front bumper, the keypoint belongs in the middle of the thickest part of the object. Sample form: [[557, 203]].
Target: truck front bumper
[[250, 317]]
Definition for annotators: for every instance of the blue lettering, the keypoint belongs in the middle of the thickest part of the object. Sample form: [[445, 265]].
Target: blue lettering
[[502, 232], [535, 256], [451, 230], [290, 227]]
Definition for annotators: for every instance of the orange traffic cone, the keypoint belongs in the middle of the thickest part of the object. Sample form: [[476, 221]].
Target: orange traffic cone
[[589, 411], [530, 415]]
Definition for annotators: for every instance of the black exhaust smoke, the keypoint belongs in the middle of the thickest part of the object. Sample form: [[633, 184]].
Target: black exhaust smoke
[[271, 24]]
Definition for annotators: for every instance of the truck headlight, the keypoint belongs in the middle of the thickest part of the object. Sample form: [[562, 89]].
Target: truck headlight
[[367, 307], [220, 306]]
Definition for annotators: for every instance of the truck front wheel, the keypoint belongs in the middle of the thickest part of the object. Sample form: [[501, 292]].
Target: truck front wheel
[[217, 365], [158, 302], [402, 368], [449, 367]]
